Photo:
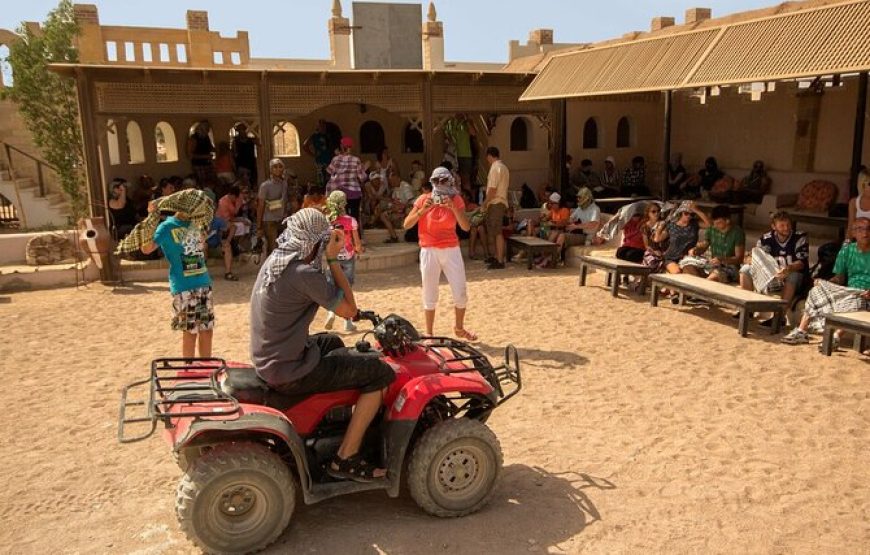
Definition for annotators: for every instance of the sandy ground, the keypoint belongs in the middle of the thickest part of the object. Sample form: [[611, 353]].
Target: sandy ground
[[638, 430]]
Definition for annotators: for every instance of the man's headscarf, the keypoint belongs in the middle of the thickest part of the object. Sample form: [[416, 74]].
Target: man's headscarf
[[193, 202], [306, 230], [336, 205], [584, 197]]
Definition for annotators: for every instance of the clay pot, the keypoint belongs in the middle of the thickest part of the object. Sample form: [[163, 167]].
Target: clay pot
[[94, 239]]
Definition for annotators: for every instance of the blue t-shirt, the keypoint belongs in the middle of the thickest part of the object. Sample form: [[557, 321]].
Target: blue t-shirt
[[182, 246]]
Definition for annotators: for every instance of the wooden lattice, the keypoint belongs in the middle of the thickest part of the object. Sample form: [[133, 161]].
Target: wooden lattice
[[482, 98], [304, 99], [171, 98]]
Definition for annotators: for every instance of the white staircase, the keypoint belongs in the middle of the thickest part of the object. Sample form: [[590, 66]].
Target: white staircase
[[34, 211]]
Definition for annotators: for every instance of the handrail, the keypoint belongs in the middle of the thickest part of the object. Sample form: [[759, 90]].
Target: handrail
[[39, 164]]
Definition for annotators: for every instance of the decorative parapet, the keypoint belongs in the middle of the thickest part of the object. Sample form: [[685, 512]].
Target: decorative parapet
[[193, 47]]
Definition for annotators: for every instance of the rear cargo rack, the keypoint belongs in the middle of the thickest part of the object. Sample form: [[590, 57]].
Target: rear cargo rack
[[505, 379], [176, 388]]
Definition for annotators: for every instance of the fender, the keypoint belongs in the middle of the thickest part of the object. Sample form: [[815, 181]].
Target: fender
[[417, 393], [205, 432]]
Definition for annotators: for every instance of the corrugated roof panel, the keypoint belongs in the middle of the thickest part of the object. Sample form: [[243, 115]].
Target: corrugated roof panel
[[637, 66], [815, 41], [833, 39]]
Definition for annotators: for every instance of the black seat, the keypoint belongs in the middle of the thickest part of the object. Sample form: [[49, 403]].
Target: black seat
[[247, 387]]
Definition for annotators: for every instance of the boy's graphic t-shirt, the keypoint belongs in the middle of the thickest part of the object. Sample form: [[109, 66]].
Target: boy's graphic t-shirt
[[182, 245]]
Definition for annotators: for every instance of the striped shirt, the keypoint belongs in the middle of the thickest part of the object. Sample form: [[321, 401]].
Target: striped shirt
[[348, 174]]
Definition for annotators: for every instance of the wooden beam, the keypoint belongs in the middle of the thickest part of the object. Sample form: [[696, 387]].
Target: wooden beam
[[666, 142], [858, 136], [559, 144], [265, 115], [428, 127], [98, 205]]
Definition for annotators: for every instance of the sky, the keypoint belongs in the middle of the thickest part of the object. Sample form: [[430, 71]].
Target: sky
[[475, 30]]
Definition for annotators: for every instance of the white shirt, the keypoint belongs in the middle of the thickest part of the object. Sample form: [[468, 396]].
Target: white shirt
[[586, 215], [404, 192], [499, 178]]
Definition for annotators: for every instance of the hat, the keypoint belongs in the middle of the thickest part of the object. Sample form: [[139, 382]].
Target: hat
[[375, 175], [275, 162], [440, 173], [346, 142], [610, 159], [555, 197]]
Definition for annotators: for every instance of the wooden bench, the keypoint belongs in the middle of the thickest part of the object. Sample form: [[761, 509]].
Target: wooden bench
[[532, 246], [857, 323], [615, 269], [722, 294]]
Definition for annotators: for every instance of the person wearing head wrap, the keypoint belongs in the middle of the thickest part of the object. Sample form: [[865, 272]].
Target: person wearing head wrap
[[436, 218], [182, 240], [290, 288], [336, 212], [681, 234]]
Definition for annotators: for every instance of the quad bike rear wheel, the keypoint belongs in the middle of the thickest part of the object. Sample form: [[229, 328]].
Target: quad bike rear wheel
[[236, 498], [454, 467]]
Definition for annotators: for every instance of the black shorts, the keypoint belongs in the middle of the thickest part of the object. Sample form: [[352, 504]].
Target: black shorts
[[340, 369]]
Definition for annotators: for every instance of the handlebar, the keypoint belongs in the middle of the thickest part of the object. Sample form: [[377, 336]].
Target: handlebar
[[369, 315]]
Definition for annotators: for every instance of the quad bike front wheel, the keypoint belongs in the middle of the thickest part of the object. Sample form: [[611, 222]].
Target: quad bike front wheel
[[454, 467], [236, 498]]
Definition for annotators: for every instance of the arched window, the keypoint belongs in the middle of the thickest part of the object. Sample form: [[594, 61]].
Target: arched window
[[371, 137], [285, 139], [135, 149], [519, 134], [413, 138], [623, 133], [164, 138], [590, 133], [5, 67], [113, 144]]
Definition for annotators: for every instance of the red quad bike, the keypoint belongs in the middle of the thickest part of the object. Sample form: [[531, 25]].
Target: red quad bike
[[246, 449]]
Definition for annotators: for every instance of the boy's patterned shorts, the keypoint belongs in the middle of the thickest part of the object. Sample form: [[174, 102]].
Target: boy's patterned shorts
[[193, 310]]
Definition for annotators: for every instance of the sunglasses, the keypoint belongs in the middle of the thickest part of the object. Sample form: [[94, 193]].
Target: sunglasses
[[440, 180]]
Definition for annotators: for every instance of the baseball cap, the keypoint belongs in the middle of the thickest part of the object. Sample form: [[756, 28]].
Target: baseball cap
[[555, 197], [347, 142]]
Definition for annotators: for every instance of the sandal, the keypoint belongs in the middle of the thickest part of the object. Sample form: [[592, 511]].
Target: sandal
[[352, 468], [463, 333], [229, 276]]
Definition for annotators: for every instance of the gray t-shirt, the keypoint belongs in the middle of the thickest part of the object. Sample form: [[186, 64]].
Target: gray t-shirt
[[274, 195], [280, 317]]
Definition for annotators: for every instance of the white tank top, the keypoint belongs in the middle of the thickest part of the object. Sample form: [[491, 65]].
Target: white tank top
[[858, 212]]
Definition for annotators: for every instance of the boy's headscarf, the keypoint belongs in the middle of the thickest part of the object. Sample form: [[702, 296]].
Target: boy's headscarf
[[336, 205], [306, 229], [584, 197], [193, 202]]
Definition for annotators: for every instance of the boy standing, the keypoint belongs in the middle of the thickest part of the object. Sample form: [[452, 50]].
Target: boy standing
[[183, 244]]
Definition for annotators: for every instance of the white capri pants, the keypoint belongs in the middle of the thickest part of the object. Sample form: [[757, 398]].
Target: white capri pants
[[433, 261]]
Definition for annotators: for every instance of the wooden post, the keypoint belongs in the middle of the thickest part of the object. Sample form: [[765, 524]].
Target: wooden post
[[265, 113], [98, 205], [858, 137], [666, 143], [558, 145], [428, 126]]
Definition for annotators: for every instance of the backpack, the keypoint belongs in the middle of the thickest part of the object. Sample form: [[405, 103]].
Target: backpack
[[824, 268]]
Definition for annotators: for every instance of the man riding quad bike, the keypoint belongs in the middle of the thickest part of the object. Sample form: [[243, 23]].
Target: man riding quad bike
[[356, 419]]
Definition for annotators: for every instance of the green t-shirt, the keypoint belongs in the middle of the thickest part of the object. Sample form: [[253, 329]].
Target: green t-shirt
[[855, 265], [463, 141], [723, 244]]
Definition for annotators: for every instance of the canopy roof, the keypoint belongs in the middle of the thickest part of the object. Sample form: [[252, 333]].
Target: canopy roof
[[832, 39]]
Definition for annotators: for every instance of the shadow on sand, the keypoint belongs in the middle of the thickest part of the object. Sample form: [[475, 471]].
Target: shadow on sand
[[560, 360], [531, 510]]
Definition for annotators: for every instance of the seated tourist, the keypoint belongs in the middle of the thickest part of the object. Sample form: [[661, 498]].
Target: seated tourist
[[847, 291], [418, 177], [584, 176], [754, 186], [654, 251], [610, 176], [681, 234], [528, 198], [634, 179], [552, 221], [582, 223], [632, 247], [121, 210], [376, 191], [779, 261], [393, 208], [676, 177], [718, 256], [709, 175], [859, 206]]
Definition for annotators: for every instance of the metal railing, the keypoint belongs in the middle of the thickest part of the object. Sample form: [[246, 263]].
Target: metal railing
[[39, 164]]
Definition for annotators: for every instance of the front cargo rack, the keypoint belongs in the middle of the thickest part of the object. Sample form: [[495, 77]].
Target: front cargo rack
[[506, 379]]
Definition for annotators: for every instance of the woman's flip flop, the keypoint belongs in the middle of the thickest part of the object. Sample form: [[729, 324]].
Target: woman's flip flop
[[466, 334]]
